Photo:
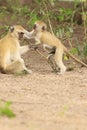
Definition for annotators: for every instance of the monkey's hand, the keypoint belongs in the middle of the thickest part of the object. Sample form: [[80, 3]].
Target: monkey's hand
[[35, 47]]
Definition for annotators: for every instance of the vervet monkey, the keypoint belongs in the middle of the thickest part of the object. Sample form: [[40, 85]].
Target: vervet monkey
[[10, 50], [41, 35]]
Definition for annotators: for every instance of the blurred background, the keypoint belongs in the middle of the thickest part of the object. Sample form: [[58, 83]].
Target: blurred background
[[67, 18]]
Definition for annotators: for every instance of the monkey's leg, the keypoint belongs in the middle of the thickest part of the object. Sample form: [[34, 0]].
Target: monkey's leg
[[17, 57], [24, 67], [14, 67], [24, 49], [52, 63], [51, 51], [58, 58]]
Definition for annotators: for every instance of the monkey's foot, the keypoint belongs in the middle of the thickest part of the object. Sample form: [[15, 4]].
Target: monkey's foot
[[28, 71], [71, 68], [62, 71]]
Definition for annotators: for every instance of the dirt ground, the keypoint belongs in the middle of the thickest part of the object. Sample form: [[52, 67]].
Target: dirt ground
[[44, 100]]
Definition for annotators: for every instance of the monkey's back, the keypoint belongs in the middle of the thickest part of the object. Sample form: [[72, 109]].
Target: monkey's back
[[52, 40], [8, 45]]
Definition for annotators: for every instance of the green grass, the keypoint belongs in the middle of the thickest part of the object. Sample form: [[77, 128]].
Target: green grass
[[5, 110]]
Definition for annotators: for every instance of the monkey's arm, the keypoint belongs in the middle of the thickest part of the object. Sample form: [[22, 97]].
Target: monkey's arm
[[49, 49], [24, 49], [37, 41]]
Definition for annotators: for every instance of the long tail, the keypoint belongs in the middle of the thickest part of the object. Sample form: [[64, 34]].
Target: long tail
[[73, 57]]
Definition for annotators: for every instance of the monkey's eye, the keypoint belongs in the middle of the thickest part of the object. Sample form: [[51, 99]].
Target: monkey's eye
[[34, 26]]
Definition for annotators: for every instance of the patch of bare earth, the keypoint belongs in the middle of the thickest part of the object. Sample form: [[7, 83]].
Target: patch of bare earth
[[44, 100]]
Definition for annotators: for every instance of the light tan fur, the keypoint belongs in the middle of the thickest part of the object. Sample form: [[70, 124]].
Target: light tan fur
[[41, 35], [10, 50]]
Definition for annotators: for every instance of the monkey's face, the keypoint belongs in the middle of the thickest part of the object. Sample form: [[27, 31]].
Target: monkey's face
[[38, 27], [19, 32]]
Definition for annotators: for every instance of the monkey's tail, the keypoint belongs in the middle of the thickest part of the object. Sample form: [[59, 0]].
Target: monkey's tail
[[76, 59]]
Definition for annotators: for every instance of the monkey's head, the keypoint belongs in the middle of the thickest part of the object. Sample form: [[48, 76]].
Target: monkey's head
[[39, 26], [18, 31]]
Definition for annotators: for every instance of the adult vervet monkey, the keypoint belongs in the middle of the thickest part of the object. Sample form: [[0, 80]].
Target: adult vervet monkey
[[10, 50], [41, 35]]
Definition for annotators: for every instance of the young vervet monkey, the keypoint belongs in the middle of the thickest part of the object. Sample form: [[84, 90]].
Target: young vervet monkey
[[10, 51], [41, 35]]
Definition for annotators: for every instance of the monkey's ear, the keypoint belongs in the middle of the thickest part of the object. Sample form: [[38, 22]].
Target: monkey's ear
[[12, 29]]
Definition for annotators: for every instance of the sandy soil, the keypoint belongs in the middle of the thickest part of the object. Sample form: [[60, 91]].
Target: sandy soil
[[44, 100]]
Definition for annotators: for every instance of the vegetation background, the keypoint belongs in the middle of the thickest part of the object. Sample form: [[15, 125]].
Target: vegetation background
[[43, 100], [68, 20]]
